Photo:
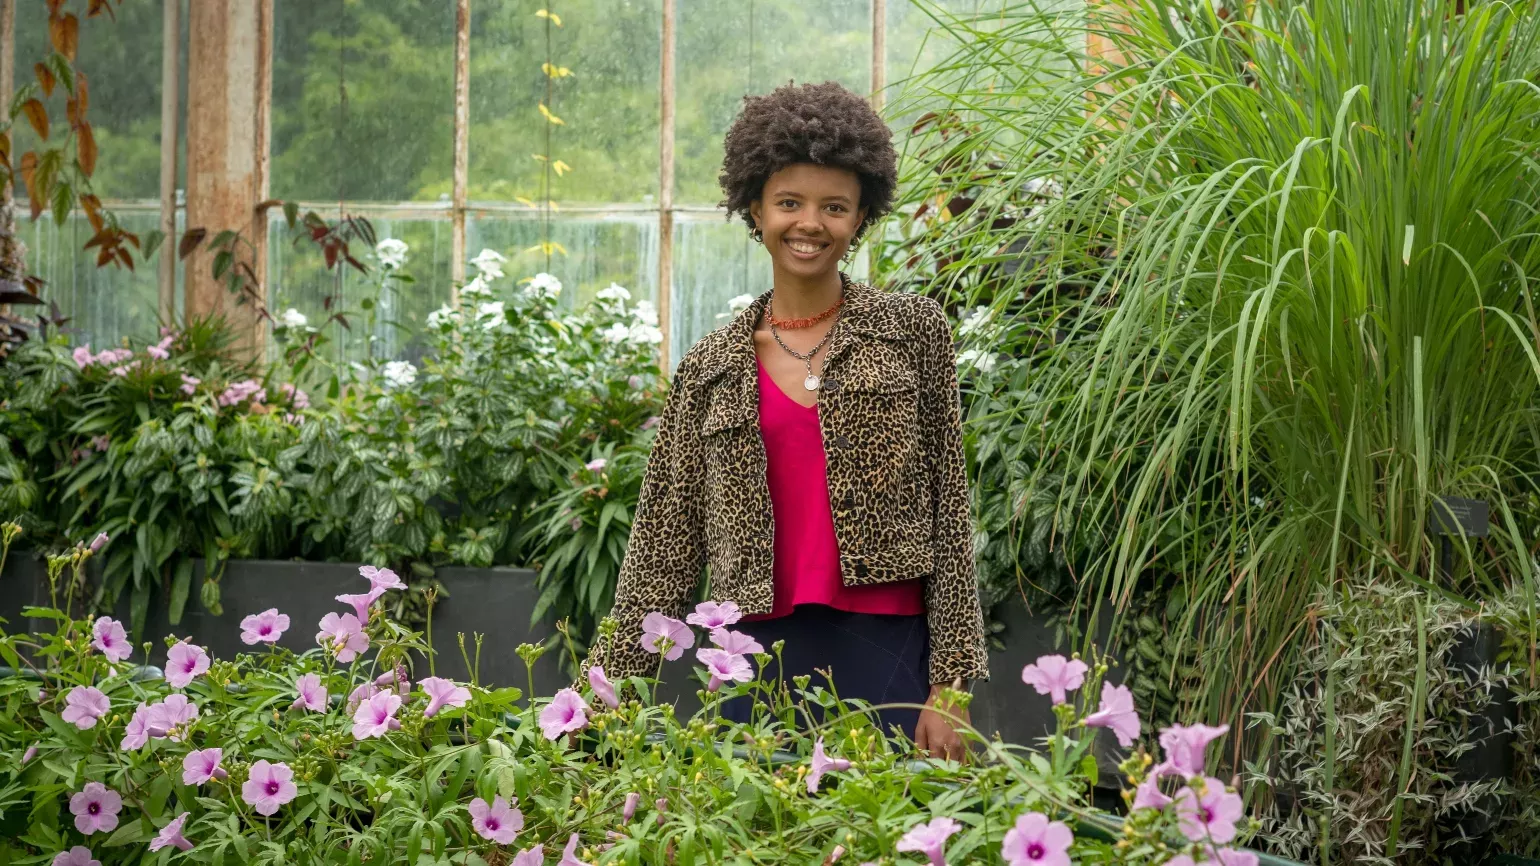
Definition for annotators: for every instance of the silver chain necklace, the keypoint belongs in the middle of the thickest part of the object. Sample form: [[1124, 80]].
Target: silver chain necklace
[[813, 382]]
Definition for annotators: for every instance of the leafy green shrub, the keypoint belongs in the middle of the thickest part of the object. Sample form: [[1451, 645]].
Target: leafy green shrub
[[343, 754], [1369, 740]]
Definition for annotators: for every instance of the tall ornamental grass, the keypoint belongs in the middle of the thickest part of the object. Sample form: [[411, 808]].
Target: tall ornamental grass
[[1259, 276]]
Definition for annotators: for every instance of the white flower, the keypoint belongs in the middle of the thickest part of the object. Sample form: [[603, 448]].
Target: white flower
[[399, 374], [641, 332], [974, 321], [443, 316], [740, 303], [292, 318], [615, 292], [616, 333], [476, 288], [983, 361], [1044, 187], [489, 263], [490, 314], [646, 313], [391, 252], [544, 285]]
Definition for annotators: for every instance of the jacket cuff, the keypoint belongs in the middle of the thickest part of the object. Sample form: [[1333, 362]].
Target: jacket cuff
[[949, 663]]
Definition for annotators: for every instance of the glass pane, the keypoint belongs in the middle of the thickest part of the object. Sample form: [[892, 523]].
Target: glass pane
[[104, 304], [121, 62], [601, 246], [392, 138], [729, 48], [607, 105], [714, 261], [298, 278]]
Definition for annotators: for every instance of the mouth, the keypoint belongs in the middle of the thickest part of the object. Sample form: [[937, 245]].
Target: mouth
[[804, 249]]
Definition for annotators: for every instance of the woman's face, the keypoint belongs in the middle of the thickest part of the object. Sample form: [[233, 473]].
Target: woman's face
[[809, 214]]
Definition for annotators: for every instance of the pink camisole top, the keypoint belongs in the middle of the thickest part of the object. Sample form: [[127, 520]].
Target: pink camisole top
[[806, 566]]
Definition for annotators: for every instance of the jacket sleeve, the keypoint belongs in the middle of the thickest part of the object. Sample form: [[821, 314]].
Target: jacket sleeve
[[956, 620], [667, 549]]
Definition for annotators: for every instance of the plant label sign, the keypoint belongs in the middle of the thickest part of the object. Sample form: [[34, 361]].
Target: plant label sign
[[1454, 515]]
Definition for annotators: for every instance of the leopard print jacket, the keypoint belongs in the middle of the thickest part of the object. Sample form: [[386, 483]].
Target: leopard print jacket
[[892, 432]]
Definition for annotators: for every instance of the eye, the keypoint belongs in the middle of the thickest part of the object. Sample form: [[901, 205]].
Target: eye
[[788, 201]]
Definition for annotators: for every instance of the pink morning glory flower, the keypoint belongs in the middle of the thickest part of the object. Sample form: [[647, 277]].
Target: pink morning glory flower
[[1185, 747], [657, 628], [364, 692], [167, 718], [1116, 712], [343, 634], [201, 766], [1148, 795], [530, 857], [96, 809], [268, 786], [184, 662], [381, 578], [724, 667], [138, 731], [626, 812], [76, 856], [190, 384], [735, 642], [98, 542], [661, 805], [442, 693], [710, 615], [361, 602], [396, 676], [822, 763], [29, 754], [1055, 675], [1037, 841], [569, 854], [83, 705], [604, 690], [376, 716], [171, 834], [1216, 857], [565, 713], [930, 839], [498, 822], [312, 695], [109, 638], [265, 627], [1209, 816]]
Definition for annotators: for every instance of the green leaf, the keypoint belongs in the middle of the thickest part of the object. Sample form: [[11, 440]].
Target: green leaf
[[129, 832], [181, 583]]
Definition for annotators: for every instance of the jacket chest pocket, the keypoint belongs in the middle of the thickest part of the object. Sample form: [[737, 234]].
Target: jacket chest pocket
[[872, 429], [733, 468]]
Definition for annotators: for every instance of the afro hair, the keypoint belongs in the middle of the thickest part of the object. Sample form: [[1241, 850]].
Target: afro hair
[[824, 124]]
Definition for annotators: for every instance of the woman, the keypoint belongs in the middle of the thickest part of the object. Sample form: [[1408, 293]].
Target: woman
[[811, 450]]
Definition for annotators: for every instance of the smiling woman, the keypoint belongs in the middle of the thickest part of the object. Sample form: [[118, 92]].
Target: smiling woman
[[811, 450]]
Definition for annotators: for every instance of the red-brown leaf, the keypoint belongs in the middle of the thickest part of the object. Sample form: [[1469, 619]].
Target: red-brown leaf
[[37, 115], [125, 258], [5, 149], [65, 33], [85, 149], [72, 113], [190, 241], [45, 78], [82, 92], [103, 257]]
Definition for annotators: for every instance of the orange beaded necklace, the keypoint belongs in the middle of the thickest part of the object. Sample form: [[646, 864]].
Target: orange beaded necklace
[[808, 322]]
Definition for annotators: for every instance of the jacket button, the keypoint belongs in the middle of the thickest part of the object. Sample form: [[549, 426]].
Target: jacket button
[[849, 502], [861, 569], [841, 441], [829, 386]]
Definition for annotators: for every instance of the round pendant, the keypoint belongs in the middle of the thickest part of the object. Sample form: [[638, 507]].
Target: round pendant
[[811, 383]]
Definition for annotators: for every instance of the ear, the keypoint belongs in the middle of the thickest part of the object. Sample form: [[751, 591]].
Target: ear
[[861, 215], [755, 208]]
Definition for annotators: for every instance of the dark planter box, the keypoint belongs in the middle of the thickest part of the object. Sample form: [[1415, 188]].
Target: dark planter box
[[493, 603]]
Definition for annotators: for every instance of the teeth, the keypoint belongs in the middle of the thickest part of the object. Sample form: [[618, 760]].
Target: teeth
[[804, 248]]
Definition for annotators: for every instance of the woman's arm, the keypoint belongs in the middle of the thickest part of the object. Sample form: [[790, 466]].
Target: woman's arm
[[667, 548], [956, 620]]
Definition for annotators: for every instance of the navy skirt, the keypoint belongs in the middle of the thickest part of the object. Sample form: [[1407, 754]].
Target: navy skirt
[[877, 658]]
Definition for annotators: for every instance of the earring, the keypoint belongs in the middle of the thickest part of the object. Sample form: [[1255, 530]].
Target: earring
[[851, 251], [758, 234]]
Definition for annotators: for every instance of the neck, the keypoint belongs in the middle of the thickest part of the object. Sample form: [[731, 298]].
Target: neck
[[798, 296]]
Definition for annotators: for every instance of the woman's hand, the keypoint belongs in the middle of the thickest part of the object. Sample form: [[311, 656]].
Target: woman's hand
[[935, 734]]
